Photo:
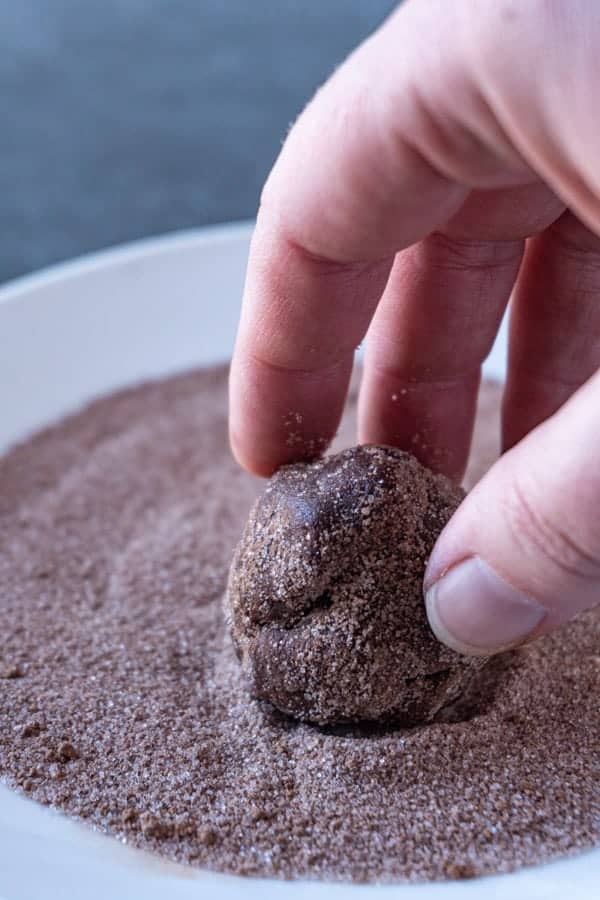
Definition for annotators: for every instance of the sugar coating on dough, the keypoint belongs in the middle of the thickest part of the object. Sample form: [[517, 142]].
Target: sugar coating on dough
[[325, 594]]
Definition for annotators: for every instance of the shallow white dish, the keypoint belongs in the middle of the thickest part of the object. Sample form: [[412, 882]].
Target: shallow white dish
[[88, 327]]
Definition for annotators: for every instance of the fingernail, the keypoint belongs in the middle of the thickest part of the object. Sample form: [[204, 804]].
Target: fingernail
[[474, 611]]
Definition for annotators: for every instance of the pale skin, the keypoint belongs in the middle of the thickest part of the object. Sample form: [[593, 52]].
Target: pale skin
[[453, 159]]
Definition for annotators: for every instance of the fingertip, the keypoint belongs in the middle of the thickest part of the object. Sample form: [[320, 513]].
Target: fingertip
[[476, 612], [279, 416], [419, 419], [254, 463], [443, 634], [262, 454]]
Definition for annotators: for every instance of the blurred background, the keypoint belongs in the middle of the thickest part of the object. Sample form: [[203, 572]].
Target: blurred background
[[129, 118]]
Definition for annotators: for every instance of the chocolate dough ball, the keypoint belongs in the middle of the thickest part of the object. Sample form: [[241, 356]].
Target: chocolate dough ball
[[324, 600]]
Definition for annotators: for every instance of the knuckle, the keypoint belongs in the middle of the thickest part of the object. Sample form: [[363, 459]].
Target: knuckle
[[574, 238], [577, 249], [470, 255], [544, 539]]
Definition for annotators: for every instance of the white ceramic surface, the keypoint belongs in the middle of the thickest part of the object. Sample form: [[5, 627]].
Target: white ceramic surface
[[88, 327]]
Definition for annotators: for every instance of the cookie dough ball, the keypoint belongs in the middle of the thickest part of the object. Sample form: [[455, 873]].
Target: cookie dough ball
[[324, 600]]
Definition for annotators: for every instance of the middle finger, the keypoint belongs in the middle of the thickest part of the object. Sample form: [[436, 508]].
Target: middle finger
[[436, 323]]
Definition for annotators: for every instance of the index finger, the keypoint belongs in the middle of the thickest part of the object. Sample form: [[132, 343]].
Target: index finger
[[351, 187]]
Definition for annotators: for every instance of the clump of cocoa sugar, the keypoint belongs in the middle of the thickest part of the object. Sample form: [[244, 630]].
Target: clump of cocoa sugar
[[325, 594], [116, 533]]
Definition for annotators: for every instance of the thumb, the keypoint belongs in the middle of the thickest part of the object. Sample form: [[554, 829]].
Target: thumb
[[521, 555]]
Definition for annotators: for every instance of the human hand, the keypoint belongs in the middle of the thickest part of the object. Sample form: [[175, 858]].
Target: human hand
[[452, 158]]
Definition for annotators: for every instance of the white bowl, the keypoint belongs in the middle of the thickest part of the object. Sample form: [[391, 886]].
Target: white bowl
[[88, 327]]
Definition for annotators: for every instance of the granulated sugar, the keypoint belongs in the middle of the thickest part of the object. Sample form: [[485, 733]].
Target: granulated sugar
[[122, 701]]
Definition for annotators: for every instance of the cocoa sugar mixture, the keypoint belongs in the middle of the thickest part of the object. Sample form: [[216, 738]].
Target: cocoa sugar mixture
[[122, 701]]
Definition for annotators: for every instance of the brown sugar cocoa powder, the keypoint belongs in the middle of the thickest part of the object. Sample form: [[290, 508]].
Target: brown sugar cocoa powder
[[122, 702]]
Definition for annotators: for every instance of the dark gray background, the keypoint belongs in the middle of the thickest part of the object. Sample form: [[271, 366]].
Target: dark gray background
[[126, 118]]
